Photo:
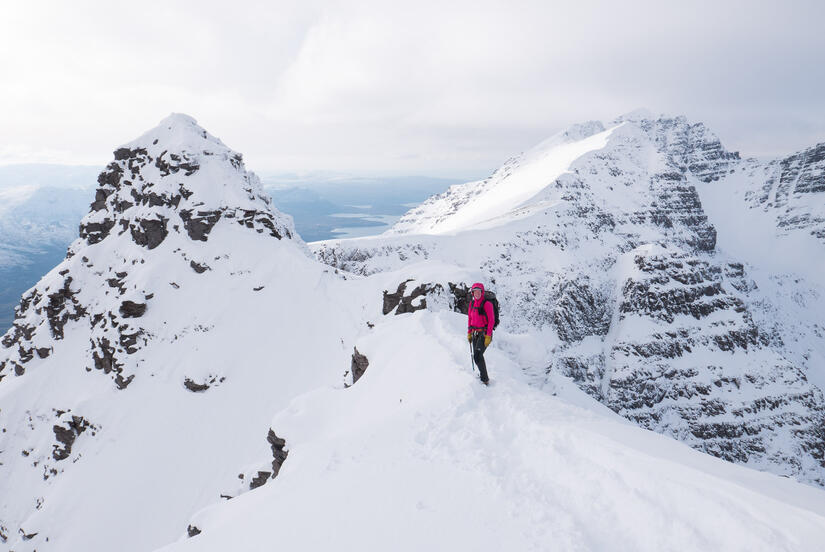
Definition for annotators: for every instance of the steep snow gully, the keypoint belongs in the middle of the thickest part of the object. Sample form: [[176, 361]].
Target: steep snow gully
[[139, 383]]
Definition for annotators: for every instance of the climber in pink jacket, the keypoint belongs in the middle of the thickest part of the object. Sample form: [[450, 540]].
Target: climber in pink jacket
[[480, 323]]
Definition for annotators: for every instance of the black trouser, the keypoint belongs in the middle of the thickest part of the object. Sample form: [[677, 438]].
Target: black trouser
[[478, 354]]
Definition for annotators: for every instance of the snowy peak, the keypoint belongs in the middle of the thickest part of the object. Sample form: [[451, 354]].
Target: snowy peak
[[690, 146], [493, 200], [614, 163], [179, 320], [174, 204], [573, 133], [179, 132], [177, 177]]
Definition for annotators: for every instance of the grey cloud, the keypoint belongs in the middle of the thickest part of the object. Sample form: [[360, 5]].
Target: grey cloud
[[432, 88]]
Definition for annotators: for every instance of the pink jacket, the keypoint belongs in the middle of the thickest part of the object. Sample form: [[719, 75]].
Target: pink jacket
[[476, 320]]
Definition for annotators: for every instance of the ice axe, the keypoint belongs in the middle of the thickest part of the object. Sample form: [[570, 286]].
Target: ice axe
[[472, 356]]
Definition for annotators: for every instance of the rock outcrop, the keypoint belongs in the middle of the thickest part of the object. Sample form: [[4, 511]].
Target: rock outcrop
[[791, 188]]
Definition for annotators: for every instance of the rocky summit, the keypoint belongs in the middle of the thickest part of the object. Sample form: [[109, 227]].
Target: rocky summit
[[161, 195]]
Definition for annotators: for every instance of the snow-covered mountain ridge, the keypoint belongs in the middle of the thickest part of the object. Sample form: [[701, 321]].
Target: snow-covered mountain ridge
[[189, 350], [614, 258]]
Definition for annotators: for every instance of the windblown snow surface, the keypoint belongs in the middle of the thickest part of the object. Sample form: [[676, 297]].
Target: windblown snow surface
[[419, 456], [184, 380]]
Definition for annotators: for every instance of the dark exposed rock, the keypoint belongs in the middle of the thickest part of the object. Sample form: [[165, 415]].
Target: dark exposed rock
[[66, 435], [195, 387], [122, 383], [110, 177], [259, 480], [192, 530], [95, 232], [174, 164], [130, 309], [100, 198], [391, 300], [210, 381], [197, 267], [260, 221], [129, 341], [199, 225], [402, 303], [126, 153], [62, 307], [149, 233], [580, 311], [103, 355], [117, 283], [279, 455], [279, 452], [359, 365]]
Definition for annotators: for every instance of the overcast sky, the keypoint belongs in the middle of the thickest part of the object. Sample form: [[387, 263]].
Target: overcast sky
[[415, 87]]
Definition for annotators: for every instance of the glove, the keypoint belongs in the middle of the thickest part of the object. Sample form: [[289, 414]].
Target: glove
[[470, 337], [487, 340]]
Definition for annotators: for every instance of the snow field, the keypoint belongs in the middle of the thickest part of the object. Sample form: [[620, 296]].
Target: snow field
[[162, 452], [419, 455]]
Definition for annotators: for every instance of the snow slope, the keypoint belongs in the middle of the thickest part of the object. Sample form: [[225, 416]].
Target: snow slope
[[516, 182], [419, 456]]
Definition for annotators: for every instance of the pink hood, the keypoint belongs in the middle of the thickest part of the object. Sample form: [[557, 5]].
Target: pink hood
[[477, 320]]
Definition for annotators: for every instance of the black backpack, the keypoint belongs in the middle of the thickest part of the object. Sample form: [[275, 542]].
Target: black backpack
[[488, 296]]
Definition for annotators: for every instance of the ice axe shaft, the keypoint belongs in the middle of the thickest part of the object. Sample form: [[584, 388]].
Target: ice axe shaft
[[472, 356]]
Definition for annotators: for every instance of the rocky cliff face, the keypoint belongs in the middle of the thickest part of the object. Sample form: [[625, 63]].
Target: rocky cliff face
[[791, 188], [615, 255]]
